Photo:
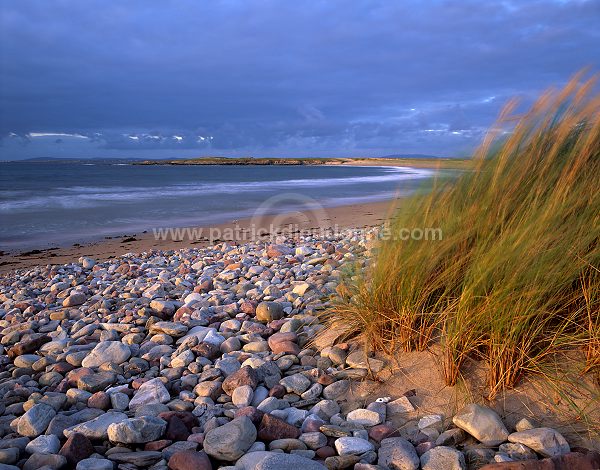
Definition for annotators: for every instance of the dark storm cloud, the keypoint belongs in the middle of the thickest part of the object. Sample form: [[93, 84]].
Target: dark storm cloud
[[276, 77]]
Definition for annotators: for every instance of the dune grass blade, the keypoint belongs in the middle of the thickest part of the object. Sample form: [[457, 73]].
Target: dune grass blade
[[514, 277]]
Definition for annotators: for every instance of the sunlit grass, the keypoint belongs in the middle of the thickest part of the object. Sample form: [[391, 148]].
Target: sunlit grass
[[514, 279]]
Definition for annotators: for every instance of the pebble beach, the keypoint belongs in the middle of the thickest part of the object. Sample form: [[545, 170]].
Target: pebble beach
[[203, 358]]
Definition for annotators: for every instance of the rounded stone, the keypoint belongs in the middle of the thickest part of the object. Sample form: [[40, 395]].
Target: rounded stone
[[230, 441], [107, 351]]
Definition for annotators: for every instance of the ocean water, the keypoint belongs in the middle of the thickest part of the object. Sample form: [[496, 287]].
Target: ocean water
[[55, 204]]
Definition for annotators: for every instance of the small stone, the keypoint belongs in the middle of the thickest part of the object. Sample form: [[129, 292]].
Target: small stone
[[97, 382], [359, 360], [97, 428], [443, 458], [363, 417], [99, 400], [189, 460], [255, 415], [545, 441], [95, 464], [230, 441], [87, 262], [243, 376], [119, 401], [143, 458], [336, 390], [242, 396], [272, 428], [340, 462], [179, 446], [284, 343], [524, 424], [46, 461], [325, 409], [264, 460], [517, 451], [296, 383], [269, 311], [76, 298], [352, 446], [151, 392], [44, 445], [401, 405], [137, 430], [8, 457], [482, 423], [382, 431], [430, 421], [287, 445], [78, 447], [164, 308], [278, 250], [107, 351], [169, 328], [314, 440], [451, 437], [398, 454], [35, 421]]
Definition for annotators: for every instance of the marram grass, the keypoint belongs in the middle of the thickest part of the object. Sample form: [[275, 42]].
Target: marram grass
[[515, 278]]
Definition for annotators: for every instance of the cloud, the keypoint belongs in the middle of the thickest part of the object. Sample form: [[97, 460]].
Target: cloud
[[274, 77]]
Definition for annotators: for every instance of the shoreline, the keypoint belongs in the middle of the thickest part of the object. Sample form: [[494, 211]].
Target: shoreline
[[347, 216]]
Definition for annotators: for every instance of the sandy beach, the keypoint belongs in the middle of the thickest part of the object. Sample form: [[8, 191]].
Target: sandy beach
[[351, 216]]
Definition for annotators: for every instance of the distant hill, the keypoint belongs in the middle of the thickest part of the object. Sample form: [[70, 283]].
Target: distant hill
[[77, 160]]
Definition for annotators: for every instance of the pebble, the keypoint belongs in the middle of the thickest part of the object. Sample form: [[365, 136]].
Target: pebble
[[397, 453], [545, 441], [189, 460], [107, 351], [352, 446], [44, 445], [187, 359], [364, 417], [262, 460], [136, 430], [150, 393], [95, 464], [482, 423], [443, 458], [35, 421], [230, 441]]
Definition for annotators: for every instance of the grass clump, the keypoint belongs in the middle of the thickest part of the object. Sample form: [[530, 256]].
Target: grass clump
[[514, 278]]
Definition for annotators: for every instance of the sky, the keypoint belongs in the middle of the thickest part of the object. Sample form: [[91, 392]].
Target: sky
[[181, 78]]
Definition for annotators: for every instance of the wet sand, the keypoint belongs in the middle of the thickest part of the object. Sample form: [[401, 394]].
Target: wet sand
[[242, 230]]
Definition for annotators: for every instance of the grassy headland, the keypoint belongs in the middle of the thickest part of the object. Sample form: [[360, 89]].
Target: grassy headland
[[442, 163], [515, 279]]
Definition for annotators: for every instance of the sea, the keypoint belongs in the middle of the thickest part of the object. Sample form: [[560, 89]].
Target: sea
[[57, 204]]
